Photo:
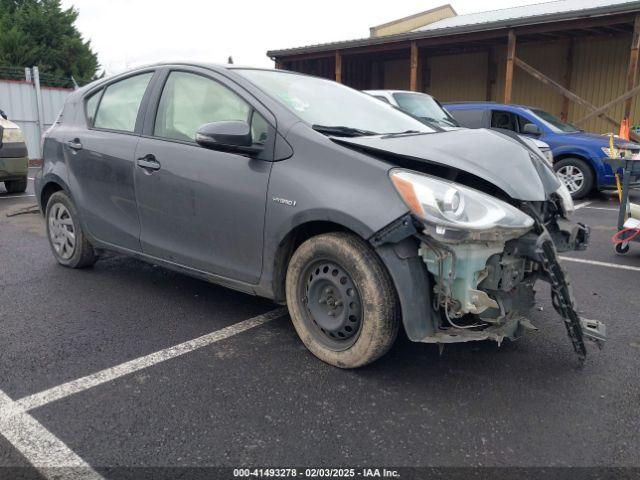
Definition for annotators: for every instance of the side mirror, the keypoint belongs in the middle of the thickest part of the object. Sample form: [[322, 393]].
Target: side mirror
[[233, 136], [531, 129]]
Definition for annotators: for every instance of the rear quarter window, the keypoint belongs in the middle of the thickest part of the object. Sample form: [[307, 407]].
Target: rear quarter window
[[469, 118], [91, 106]]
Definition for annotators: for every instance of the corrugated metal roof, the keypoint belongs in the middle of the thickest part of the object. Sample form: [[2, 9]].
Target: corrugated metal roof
[[525, 11], [505, 18]]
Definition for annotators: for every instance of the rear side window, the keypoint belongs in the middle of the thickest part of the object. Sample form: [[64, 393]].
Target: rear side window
[[469, 118], [119, 106], [189, 101], [92, 105]]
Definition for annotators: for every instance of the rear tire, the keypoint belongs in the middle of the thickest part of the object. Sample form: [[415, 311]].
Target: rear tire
[[341, 300], [68, 242], [577, 175], [16, 186]]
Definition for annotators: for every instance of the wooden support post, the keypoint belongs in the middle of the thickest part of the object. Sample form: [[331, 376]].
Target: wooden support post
[[632, 72], [338, 67], [279, 65], [511, 54], [564, 113], [413, 67], [491, 74]]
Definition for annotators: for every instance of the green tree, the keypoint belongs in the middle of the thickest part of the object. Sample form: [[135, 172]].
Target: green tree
[[40, 32]]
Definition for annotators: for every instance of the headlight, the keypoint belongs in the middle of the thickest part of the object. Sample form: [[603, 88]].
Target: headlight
[[448, 205], [621, 153], [566, 202], [12, 135]]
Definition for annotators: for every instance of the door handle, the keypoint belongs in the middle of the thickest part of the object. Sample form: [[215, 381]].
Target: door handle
[[149, 162], [75, 144]]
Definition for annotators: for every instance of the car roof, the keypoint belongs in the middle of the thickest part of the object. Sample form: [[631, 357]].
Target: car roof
[[485, 105], [216, 67], [382, 91]]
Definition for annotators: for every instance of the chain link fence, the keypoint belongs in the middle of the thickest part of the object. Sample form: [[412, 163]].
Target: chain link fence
[[46, 79], [32, 101]]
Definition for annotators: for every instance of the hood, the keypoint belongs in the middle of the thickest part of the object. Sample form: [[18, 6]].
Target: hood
[[595, 140], [487, 154]]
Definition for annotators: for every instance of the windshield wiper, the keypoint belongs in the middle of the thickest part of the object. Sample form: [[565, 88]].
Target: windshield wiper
[[406, 132], [439, 121], [340, 131]]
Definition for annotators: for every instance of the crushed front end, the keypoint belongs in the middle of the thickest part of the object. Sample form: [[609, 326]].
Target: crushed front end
[[483, 256]]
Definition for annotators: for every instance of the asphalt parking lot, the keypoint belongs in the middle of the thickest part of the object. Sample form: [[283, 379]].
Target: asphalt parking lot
[[99, 369]]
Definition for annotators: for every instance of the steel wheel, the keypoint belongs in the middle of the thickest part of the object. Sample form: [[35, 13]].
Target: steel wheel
[[62, 231], [572, 177], [333, 305]]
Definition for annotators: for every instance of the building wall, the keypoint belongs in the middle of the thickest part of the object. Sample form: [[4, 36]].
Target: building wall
[[458, 77], [18, 100], [598, 75], [548, 58], [396, 74]]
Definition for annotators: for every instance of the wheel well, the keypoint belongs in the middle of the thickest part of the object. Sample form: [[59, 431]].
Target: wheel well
[[576, 156], [585, 160], [48, 190], [290, 243]]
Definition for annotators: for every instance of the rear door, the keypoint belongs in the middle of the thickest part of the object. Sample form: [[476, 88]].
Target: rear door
[[470, 118], [198, 207], [100, 157]]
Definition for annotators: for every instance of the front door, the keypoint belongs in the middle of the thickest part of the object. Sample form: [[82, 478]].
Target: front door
[[198, 207]]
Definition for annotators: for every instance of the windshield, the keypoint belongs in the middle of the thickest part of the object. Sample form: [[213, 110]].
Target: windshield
[[553, 122], [424, 107], [324, 103]]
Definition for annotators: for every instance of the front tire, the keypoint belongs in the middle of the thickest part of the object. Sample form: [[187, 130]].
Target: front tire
[[342, 302], [16, 186], [68, 242], [577, 175]]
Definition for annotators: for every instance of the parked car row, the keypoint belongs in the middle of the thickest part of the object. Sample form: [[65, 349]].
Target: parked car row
[[428, 109], [577, 156], [355, 214]]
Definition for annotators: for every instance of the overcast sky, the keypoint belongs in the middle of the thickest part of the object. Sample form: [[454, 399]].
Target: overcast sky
[[128, 33]]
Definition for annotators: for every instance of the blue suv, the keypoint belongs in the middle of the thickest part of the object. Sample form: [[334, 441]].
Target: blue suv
[[578, 156]]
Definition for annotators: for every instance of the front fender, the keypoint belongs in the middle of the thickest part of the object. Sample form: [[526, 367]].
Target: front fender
[[603, 172], [411, 280]]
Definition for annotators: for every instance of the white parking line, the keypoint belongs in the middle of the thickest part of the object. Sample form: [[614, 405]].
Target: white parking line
[[582, 205], [601, 264], [39, 446], [75, 386], [17, 196], [603, 208]]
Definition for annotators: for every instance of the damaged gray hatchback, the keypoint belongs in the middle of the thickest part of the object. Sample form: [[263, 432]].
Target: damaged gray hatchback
[[357, 216]]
